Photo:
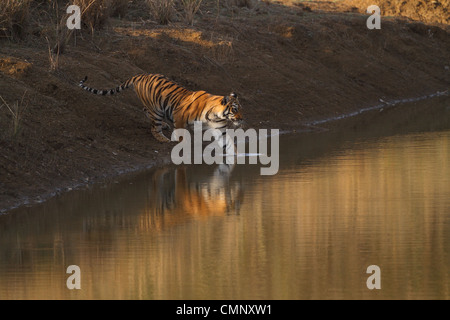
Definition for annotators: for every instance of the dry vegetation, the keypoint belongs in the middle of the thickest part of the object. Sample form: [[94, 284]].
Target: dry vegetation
[[162, 10], [16, 110], [290, 62], [95, 13], [14, 18], [190, 9], [428, 11]]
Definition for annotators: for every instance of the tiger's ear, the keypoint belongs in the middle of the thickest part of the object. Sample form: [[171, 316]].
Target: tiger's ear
[[227, 99]]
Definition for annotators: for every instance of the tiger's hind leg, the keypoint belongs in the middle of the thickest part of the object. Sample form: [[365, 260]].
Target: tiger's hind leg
[[157, 127], [158, 134], [165, 126]]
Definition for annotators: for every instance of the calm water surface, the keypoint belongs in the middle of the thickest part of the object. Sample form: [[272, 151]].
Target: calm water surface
[[376, 193]]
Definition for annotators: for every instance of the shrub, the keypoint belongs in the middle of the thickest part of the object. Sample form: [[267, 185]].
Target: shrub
[[162, 10], [94, 13], [16, 112], [190, 9], [240, 3], [14, 18], [118, 8]]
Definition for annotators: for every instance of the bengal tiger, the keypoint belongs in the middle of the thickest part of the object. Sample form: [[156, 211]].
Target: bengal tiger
[[198, 193], [164, 100]]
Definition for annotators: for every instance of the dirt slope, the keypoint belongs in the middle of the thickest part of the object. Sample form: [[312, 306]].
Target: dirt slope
[[290, 62]]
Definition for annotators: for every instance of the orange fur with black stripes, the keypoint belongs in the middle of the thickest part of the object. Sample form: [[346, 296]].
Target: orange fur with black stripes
[[166, 101]]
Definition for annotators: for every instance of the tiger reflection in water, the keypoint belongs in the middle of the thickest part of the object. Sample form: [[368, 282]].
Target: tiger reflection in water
[[183, 193]]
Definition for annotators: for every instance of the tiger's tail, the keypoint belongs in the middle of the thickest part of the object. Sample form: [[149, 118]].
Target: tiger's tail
[[120, 88]]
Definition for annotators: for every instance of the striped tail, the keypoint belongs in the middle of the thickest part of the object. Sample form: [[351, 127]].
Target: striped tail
[[122, 87]]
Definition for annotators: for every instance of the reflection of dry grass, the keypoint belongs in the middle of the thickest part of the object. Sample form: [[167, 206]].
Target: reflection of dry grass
[[14, 18]]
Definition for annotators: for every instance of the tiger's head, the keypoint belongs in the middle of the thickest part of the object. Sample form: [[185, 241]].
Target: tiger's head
[[232, 110]]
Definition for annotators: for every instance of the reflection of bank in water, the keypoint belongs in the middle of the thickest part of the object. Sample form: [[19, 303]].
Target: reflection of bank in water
[[181, 193]]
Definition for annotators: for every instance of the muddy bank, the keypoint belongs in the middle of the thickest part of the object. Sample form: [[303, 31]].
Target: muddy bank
[[290, 65]]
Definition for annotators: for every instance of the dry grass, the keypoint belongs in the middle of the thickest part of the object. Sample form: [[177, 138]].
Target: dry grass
[[190, 9], [161, 10], [118, 8], [53, 56], [14, 18], [428, 11], [223, 51], [240, 3], [16, 110], [94, 13], [17, 15]]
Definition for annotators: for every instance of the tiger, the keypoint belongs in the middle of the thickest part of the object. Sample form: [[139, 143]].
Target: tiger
[[166, 101], [195, 192]]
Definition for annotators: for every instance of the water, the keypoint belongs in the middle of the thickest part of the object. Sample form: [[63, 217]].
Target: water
[[374, 193]]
